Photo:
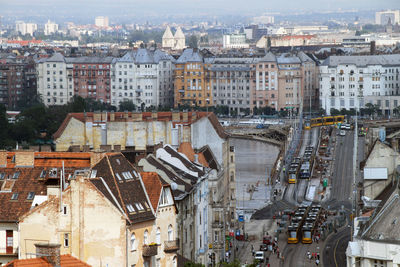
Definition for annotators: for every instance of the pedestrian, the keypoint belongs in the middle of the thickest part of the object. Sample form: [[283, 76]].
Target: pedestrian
[[317, 262], [309, 255], [276, 239]]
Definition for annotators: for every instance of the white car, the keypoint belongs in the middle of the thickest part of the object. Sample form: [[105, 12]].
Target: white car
[[342, 133], [259, 256]]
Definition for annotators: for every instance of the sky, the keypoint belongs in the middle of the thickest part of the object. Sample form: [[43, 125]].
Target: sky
[[151, 8]]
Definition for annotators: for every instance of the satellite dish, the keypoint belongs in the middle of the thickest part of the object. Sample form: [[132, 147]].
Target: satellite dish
[[174, 186]]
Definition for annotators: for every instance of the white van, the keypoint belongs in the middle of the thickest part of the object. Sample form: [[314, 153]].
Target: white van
[[259, 256]]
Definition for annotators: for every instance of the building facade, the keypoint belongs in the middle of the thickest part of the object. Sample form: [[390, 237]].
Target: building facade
[[350, 82]]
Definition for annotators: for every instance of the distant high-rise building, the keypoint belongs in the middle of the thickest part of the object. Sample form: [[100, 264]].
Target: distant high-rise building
[[50, 28], [236, 40], [264, 20], [25, 28], [101, 21], [383, 17]]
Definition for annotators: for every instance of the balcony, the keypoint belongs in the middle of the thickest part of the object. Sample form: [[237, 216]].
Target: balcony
[[149, 251], [171, 246], [8, 251]]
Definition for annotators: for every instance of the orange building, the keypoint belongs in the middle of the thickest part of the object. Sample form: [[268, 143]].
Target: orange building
[[192, 83]]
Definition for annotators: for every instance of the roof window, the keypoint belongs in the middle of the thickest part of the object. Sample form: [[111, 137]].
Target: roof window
[[127, 175], [118, 176], [15, 196], [93, 174], [30, 196], [43, 174], [130, 208], [139, 206], [2, 175], [16, 175]]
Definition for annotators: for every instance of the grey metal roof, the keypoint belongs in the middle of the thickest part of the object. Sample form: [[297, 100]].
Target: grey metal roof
[[128, 57], [189, 55], [90, 60], [159, 55], [362, 61], [284, 59], [233, 68], [143, 56], [57, 57], [269, 57], [303, 57]]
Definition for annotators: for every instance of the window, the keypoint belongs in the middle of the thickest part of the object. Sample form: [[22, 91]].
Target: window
[[2, 175], [66, 240], [15, 196], [133, 242], [30, 196], [158, 236], [146, 237], [118, 176], [16, 175], [170, 233], [130, 208], [139, 206], [127, 175], [65, 210]]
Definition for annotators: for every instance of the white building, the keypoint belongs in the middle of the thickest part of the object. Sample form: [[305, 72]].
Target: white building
[[383, 17], [350, 82], [375, 241], [264, 20], [50, 28], [235, 40], [25, 28], [54, 80], [101, 21], [144, 77], [173, 42]]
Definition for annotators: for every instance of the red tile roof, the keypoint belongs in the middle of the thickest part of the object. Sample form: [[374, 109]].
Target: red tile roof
[[186, 148], [65, 261], [153, 187]]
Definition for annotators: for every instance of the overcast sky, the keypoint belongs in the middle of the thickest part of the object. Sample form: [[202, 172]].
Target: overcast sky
[[92, 8]]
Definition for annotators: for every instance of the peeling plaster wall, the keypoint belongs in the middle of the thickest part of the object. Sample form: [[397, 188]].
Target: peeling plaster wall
[[96, 228], [73, 134]]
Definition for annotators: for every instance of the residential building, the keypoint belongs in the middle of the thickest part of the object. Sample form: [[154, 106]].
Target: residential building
[[350, 82], [310, 83], [375, 239], [143, 77], [265, 83], [231, 82], [387, 16], [26, 180], [173, 42], [290, 87], [101, 21], [25, 28], [113, 223], [234, 40], [54, 80], [50, 28], [92, 77], [192, 80], [17, 79], [264, 19]]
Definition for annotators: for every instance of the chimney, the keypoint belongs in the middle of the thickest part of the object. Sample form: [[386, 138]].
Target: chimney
[[185, 116], [137, 116], [3, 158], [112, 116], [50, 252], [176, 116], [97, 116], [104, 116], [373, 48], [24, 159]]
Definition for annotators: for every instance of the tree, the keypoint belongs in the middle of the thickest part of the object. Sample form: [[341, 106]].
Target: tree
[[192, 41], [235, 263], [127, 105], [192, 264]]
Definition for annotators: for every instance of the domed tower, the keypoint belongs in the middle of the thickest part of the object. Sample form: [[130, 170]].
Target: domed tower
[[168, 39], [179, 39]]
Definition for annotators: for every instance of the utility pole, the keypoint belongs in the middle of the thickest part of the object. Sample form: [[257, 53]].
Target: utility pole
[[354, 202]]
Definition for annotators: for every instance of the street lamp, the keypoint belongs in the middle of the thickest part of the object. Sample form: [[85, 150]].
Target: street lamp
[[207, 101]]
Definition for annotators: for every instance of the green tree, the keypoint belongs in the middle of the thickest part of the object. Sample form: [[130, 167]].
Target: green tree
[[127, 105], [192, 41], [235, 263], [192, 264]]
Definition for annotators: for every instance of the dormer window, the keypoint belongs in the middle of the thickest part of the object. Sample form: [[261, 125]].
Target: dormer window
[[43, 174], [130, 208], [2, 175], [139, 206]]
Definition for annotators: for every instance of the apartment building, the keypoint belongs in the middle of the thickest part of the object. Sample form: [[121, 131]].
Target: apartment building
[[17, 79], [290, 87], [192, 80], [265, 82], [234, 40], [92, 77], [143, 77], [310, 83], [350, 82], [384, 17], [50, 28], [231, 82], [25, 28], [54, 79]]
